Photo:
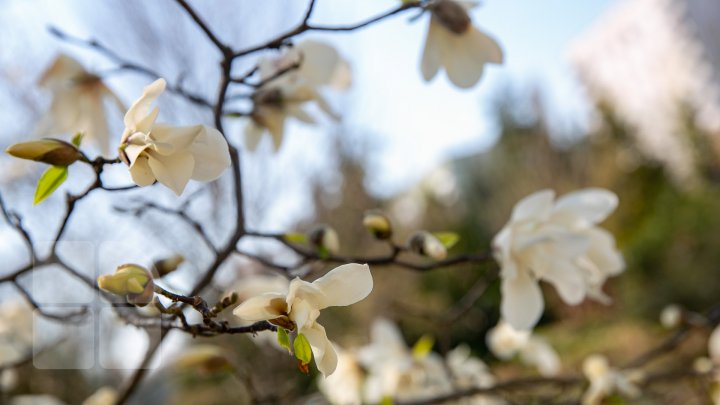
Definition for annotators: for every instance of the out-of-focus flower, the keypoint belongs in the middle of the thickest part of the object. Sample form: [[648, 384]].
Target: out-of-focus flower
[[8, 379], [455, 44], [505, 342], [290, 81], [427, 244], [167, 265], [300, 307], [274, 103], [103, 396], [344, 386], [393, 370], [470, 372], [77, 104], [378, 224], [203, 358], [309, 62], [605, 380], [558, 242], [671, 316], [41, 399], [714, 345], [16, 333], [170, 155], [325, 239]]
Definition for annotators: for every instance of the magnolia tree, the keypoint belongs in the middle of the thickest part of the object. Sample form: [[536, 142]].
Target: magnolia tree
[[557, 240]]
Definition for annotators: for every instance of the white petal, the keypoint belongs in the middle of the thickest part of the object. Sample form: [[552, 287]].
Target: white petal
[[319, 62], [592, 204], [345, 285], [141, 173], [464, 56], [565, 277], [253, 135], [211, 154], [522, 302], [540, 354], [133, 151], [138, 114], [303, 313], [63, 69], [342, 77], [169, 139], [430, 63], [502, 246], [173, 171], [603, 253], [301, 115], [714, 345], [261, 308], [535, 206], [323, 350]]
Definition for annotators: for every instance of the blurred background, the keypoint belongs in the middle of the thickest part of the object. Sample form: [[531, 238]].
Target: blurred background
[[600, 93]]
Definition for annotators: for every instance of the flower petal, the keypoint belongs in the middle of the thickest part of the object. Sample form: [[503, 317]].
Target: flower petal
[[211, 153], [522, 301], [63, 69], [262, 308], [344, 285], [141, 173], [253, 135], [323, 350], [170, 139], [319, 62], [430, 63], [139, 117], [591, 204], [535, 206], [173, 171]]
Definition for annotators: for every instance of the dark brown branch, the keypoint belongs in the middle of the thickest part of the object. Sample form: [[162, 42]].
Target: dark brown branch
[[304, 26], [204, 27]]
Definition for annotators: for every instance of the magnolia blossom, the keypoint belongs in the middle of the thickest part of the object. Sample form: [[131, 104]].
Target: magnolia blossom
[[310, 62], [470, 372], [395, 372], [505, 342], [455, 44], [558, 242], [77, 102], [300, 307], [286, 91], [605, 380], [170, 155], [103, 396], [344, 386]]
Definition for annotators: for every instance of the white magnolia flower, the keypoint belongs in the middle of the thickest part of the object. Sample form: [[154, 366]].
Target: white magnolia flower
[[393, 370], [286, 90], [455, 44], [605, 380], [344, 386], [309, 62], [506, 342], [77, 102], [714, 345], [558, 242], [470, 372], [345, 285], [170, 155]]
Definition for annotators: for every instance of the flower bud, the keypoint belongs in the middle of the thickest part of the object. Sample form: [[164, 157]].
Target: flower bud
[[378, 224], [130, 280], [325, 238], [426, 244], [168, 265], [451, 15], [51, 151]]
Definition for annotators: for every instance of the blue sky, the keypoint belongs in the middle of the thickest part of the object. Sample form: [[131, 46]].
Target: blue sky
[[427, 123]]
